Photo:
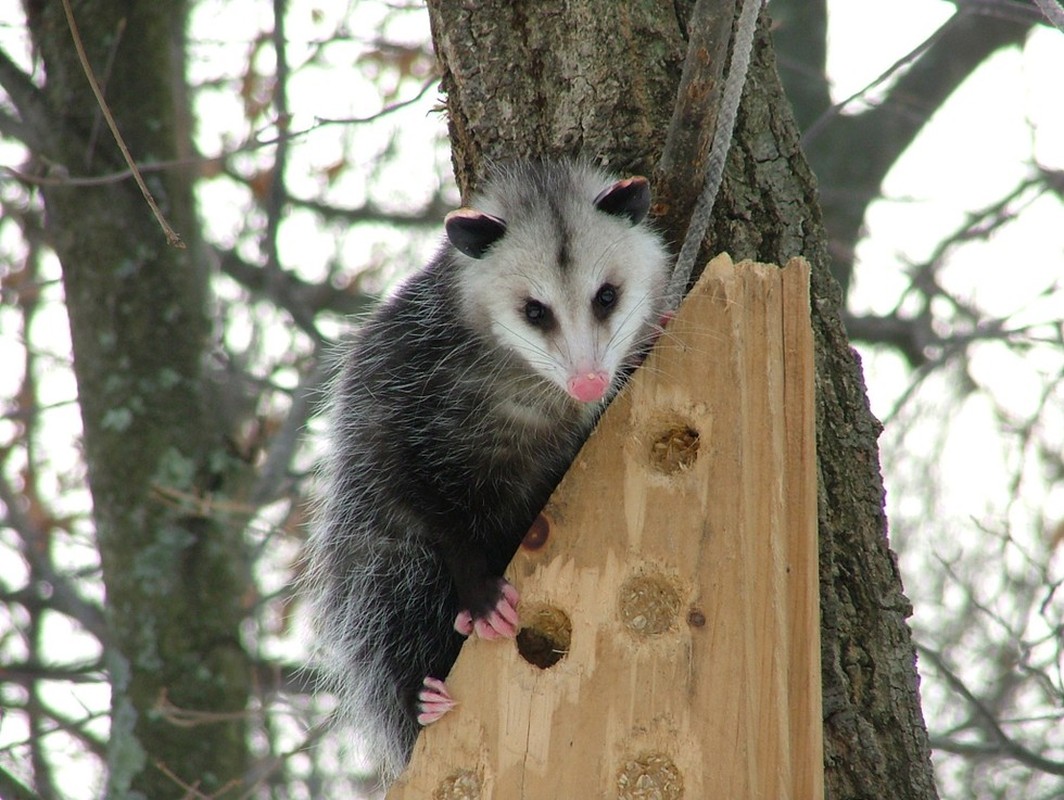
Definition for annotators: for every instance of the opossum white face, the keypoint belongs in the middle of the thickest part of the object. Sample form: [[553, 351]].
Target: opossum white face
[[559, 269]]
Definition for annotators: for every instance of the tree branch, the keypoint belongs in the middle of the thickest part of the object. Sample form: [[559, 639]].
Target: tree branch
[[36, 123], [25, 673], [12, 128], [932, 72], [277, 196], [907, 336], [302, 300], [429, 216], [678, 178], [14, 789], [1006, 746], [276, 468], [64, 597]]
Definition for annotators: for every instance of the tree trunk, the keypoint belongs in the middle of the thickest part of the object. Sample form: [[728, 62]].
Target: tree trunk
[[174, 572], [600, 78]]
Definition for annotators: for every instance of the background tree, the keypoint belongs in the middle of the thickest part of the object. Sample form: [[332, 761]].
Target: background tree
[[198, 368], [155, 444]]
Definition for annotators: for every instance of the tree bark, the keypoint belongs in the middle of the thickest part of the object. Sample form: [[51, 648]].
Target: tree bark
[[174, 572], [599, 78]]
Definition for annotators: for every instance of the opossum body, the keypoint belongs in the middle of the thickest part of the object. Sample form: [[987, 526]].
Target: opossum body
[[458, 407]]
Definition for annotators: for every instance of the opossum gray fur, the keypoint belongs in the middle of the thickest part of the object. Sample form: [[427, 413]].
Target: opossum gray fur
[[459, 405]]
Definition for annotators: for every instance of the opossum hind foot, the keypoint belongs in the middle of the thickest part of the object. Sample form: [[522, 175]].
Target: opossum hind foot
[[500, 622]]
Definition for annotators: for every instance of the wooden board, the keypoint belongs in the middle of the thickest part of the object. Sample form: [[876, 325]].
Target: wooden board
[[673, 576]]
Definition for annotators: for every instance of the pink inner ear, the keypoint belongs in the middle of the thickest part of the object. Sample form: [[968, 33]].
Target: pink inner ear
[[589, 386]]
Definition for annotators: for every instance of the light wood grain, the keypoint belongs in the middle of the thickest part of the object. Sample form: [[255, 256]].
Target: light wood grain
[[688, 576]]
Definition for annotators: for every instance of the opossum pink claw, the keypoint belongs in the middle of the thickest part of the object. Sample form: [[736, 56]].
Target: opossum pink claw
[[499, 623], [463, 623], [433, 701]]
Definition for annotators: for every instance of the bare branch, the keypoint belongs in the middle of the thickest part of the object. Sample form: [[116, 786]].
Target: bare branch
[[910, 337], [277, 194], [274, 473], [64, 597], [57, 722], [428, 216], [1006, 745], [27, 672], [389, 109], [14, 789], [678, 177], [14, 129], [302, 300], [36, 123], [923, 79]]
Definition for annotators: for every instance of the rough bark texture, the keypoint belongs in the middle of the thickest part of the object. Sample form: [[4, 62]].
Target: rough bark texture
[[526, 79], [140, 328], [599, 78]]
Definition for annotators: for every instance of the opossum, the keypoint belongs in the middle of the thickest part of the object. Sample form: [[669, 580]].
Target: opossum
[[459, 405]]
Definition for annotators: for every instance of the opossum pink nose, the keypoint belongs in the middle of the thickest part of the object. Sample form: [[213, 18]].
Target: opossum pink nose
[[589, 386]]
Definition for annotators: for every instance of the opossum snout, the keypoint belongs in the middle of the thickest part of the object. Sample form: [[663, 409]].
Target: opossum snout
[[588, 387]]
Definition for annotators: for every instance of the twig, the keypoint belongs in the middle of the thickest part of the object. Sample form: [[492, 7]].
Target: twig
[[390, 109], [219, 159], [278, 463], [112, 54], [171, 235], [277, 196], [114, 177], [14, 788]]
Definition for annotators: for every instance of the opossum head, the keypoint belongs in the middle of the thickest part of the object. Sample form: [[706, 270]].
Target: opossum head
[[558, 266]]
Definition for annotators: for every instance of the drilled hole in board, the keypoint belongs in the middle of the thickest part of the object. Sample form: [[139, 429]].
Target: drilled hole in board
[[649, 604], [674, 450], [650, 775], [462, 784], [545, 635]]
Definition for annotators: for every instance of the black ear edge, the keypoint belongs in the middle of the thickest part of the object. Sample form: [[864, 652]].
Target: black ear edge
[[473, 232], [627, 198]]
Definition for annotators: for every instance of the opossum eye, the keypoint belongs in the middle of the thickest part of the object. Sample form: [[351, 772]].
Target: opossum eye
[[605, 300], [538, 315]]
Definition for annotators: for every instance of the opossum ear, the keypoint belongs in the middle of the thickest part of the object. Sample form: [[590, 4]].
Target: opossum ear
[[472, 231], [628, 198]]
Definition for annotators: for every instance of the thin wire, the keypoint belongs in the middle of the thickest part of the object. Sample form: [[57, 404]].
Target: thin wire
[[718, 153]]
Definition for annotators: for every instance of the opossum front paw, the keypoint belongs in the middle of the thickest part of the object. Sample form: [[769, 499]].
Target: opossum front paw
[[500, 621], [433, 701]]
